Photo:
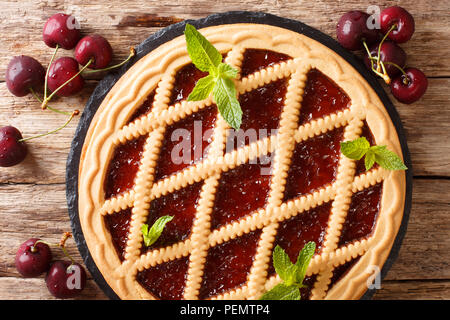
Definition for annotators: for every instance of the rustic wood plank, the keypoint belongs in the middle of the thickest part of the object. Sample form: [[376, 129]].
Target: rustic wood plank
[[424, 253], [128, 25], [46, 161], [427, 125], [35, 289], [413, 290], [32, 211]]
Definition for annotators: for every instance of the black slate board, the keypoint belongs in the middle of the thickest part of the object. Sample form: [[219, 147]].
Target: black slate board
[[173, 31]]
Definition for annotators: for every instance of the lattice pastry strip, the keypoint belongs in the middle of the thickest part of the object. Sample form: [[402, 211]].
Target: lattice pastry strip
[[311, 129], [210, 169], [283, 153], [222, 163]]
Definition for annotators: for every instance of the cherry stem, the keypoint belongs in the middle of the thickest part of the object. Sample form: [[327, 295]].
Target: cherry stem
[[48, 107], [62, 244], [47, 72], [395, 65], [33, 247], [132, 53], [74, 113], [368, 53], [381, 43], [371, 59], [47, 99]]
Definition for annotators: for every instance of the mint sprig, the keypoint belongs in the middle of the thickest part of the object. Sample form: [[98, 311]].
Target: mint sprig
[[152, 234], [219, 80], [360, 147], [291, 274]]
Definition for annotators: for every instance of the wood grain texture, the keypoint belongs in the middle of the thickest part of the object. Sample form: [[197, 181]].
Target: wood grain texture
[[32, 194], [423, 255], [413, 290], [127, 25]]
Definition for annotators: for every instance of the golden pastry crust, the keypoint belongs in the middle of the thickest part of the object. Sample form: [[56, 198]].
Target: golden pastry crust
[[157, 70]]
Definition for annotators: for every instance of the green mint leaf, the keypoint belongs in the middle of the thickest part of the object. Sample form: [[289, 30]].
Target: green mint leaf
[[304, 257], [355, 149], [224, 93], [369, 160], [283, 265], [144, 230], [227, 71], [282, 292], [291, 274], [202, 53], [152, 234], [360, 147], [387, 159], [208, 59], [202, 89]]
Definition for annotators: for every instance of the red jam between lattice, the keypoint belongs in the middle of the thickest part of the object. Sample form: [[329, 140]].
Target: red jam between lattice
[[244, 189]]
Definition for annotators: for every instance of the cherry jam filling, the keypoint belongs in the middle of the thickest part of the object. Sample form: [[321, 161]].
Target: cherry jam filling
[[261, 112], [182, 205], [186, 142], [314, 164], [362, 214], [295, 232], [144, 108], [123, 167], [165, 281], [228, 264], [340, 271], [258, 59], [185, 81], [321, 97], [241, 191], [118, 224], [308, 282]]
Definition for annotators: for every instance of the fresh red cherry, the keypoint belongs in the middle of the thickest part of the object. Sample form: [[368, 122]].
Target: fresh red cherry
[[62, 70], [23, 74], [402, 19], [389, 52], [352, 29], [62, 30], [33, 259], [94, 47], [410, 87], [12, 150], [65, 279]]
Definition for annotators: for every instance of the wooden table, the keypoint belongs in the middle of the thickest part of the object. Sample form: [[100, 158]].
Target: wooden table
[[32, 194]]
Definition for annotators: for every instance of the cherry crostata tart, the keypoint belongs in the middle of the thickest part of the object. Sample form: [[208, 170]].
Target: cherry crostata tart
[[234, 198]]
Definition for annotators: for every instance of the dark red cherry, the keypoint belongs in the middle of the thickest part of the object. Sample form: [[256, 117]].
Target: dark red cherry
[[61, 71], [12, 151], [24, 73], [33, 259], [389, 52], [65, 280], [62, 30], [402, 19], [352, 29], [410, 88], [94, 47]]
